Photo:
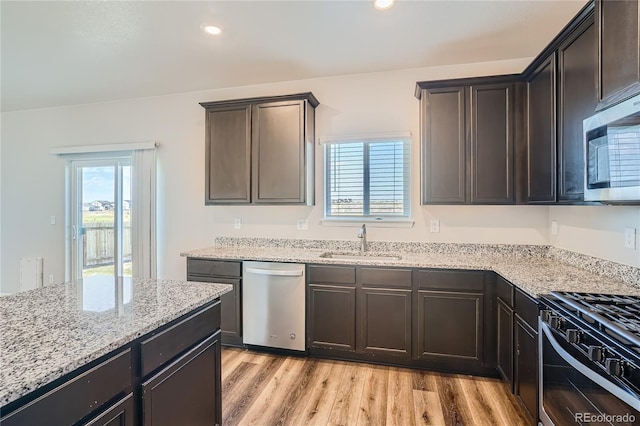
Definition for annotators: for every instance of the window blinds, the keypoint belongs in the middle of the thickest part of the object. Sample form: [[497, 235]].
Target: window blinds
[[368, 178]]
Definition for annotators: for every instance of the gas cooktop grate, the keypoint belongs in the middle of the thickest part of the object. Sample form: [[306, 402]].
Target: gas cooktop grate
[[616, 311]]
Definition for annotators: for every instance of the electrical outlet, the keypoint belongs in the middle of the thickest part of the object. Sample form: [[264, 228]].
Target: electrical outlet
[[554, 227], [51, 279], [52, 220], [630, 238], [237, 223], [435, 225], [302, 224]]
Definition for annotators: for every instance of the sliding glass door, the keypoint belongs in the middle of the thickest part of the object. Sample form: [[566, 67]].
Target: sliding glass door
[[100, 217]]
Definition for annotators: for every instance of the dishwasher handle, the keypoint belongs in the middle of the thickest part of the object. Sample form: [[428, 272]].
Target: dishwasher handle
[[275, 272]]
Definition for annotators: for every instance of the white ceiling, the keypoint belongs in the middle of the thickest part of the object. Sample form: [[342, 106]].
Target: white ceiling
[[72, 52]]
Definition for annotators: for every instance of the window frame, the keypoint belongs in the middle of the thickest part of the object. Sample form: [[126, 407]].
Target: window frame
[[368, 140]]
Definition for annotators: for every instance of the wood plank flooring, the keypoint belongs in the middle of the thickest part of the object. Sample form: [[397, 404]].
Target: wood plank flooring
[[264, 389]]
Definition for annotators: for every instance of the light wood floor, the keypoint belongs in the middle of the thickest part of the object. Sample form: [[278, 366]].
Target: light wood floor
[[264, 389]]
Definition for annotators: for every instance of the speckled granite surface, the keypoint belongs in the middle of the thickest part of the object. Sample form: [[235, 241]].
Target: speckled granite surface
[[534, 269], [48, 332]]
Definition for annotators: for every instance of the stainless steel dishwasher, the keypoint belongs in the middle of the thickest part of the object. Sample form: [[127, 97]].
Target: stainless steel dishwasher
[[273, 305]]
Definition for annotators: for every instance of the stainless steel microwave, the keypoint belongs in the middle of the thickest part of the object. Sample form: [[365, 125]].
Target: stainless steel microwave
[[612, 154]]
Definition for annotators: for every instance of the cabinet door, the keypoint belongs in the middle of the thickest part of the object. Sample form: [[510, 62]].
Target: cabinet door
[[492, 144], [450, 325], [231, 312], [230, 308], [384, 317], [332, 317], [618, 50], [541, 141], [505, 342], [119, 414], [526, 363], [278, 152], [187, 390], [228, 155], [577, 67], [443, 146]]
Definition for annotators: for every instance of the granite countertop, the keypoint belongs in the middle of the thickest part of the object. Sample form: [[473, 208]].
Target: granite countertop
[[529, 269], [48, 332]]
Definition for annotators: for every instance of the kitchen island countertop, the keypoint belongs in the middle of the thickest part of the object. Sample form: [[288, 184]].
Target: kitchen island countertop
[[532, 270], [48, 332]]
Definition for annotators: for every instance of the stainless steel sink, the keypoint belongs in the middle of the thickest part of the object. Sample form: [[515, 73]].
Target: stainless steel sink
[[360, 256]]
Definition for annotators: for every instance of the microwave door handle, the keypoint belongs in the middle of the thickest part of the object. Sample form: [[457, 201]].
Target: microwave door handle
[[586, 371], [274, 272]]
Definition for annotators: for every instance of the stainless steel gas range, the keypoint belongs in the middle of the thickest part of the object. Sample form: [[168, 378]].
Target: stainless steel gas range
[[589, 359]]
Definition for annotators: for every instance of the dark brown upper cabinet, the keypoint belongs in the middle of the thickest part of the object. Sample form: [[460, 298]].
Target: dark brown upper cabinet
[[442, 114], [491, 143], [260, 150], [541, 132], [560, 94], [618, 47], [228, 154], [577, 69], [467, 134]]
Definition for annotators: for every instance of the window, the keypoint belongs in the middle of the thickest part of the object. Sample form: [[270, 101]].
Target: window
[[367, 178]]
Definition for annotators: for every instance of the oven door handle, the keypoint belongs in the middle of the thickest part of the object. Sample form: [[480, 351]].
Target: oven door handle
[[616, 390]]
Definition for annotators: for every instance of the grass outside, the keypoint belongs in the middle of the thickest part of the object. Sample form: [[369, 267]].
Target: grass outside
[[105, 216], [108, 270]]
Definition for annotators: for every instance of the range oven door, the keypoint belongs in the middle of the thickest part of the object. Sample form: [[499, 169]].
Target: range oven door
[[574, 390]]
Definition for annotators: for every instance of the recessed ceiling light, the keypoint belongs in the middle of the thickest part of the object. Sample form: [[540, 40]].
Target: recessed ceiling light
[[211, 29], [383, 4]]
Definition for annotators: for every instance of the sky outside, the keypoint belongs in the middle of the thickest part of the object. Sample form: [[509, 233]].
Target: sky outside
[[98, 183]]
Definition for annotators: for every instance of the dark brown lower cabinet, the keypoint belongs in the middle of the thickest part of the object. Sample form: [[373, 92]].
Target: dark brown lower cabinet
[[230, 308], [332, 317], [526, 362], [78, 397], [505, 342], [170, 376], [119, 414], [384, 317], [224, 272], [450, 325], [359, 313], [164, 401]]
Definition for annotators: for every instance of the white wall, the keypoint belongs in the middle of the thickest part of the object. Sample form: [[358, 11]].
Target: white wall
[[1, 206], [597, 231], [33, 181]]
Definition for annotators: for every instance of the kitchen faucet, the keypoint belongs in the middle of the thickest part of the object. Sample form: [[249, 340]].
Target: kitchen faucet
[[363, 238]]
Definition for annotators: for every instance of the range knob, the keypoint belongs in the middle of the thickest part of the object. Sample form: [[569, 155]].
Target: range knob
[[596, 353], [613, 366], [544, 315], [554, 322], [573, 335]]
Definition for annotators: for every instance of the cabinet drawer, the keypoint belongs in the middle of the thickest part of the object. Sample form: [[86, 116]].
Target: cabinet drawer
[[386, 277], [120, 414], [332, 274], [527, 309], [504, 290], [213, 267], [170, 342], [87, 392], [451, 280]]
